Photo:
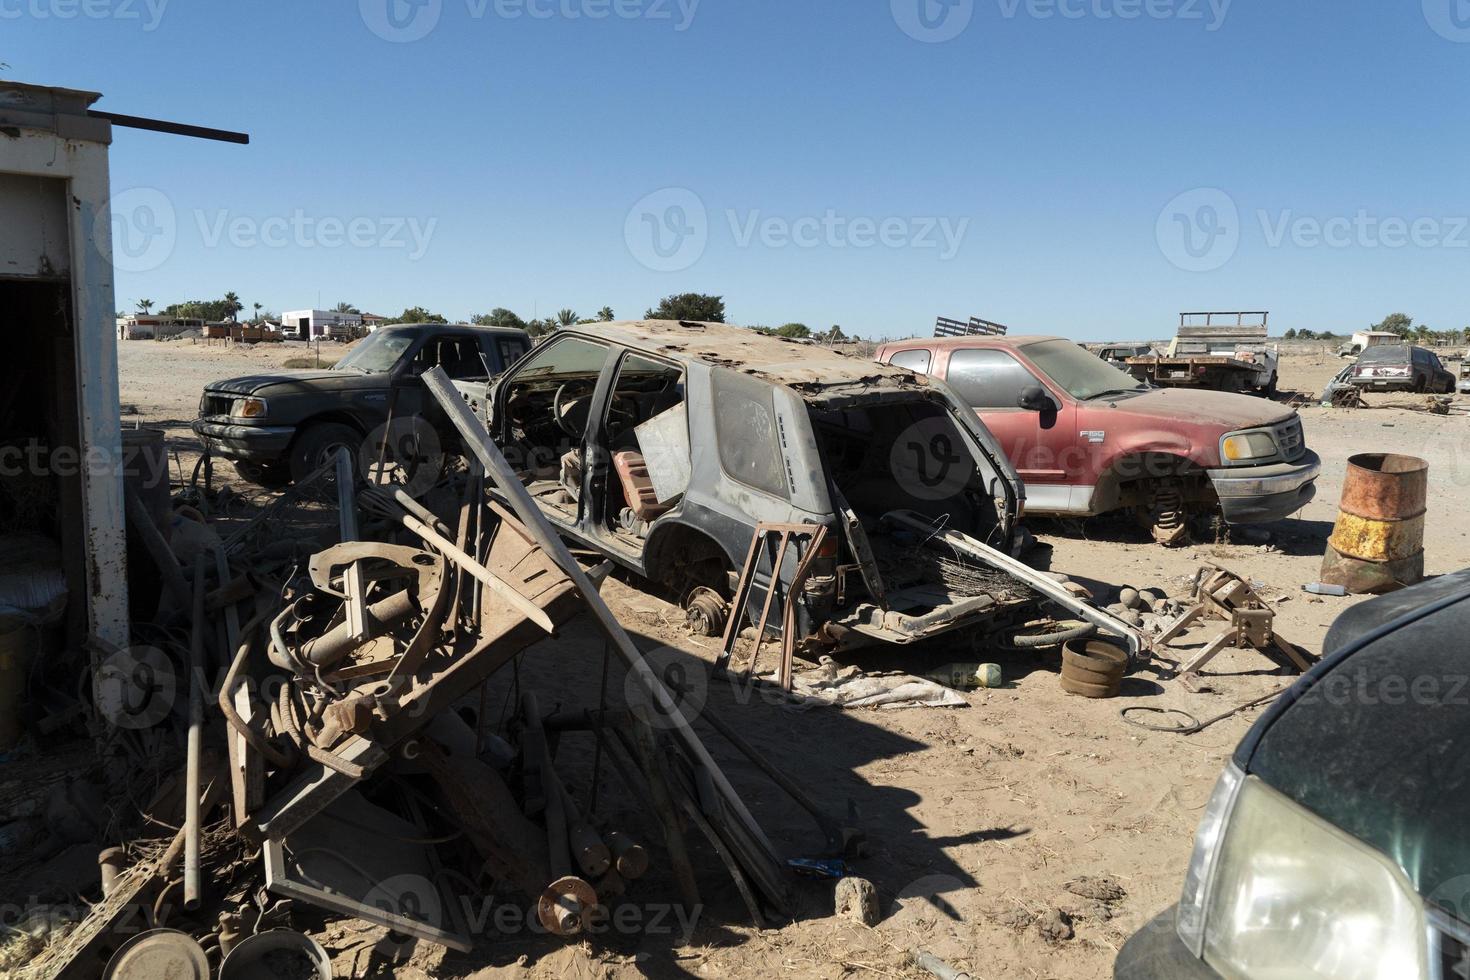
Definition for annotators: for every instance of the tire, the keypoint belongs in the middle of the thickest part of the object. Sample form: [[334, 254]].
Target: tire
[[1096, 656], [272, 477], [318, 444], [1420, 386], [1274, 387], [1083, 689], [1084, 676]]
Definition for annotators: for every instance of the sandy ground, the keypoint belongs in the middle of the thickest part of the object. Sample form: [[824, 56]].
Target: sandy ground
[[977, 817]]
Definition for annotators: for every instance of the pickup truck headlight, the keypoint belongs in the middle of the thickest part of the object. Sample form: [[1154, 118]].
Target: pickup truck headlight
[[1287, 894], [248, 408], [1244, 446]]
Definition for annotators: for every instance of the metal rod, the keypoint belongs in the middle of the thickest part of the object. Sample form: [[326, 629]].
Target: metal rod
[[1047, 586], [500, 587], [158, 549], [499, 469], [195, 742], [172, 128]]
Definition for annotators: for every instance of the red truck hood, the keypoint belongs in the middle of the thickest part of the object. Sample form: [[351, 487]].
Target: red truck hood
[[1220, 410]]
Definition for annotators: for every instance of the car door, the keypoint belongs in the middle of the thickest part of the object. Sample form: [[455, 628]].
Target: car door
[[541, 416], [991, 380], [1444, 381]]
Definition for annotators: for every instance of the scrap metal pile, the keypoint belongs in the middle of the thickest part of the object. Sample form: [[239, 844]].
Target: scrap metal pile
[[343, 766]]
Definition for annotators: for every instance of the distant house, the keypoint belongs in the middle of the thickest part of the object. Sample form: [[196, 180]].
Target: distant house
[[154, 327], [316, 324], [373, 321]]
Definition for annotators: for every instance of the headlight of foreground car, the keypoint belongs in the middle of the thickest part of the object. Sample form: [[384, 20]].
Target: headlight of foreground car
[[1246, 446], [248, 408], [1275, 891]]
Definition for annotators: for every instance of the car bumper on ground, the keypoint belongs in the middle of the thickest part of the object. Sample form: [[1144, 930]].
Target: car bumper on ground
[[252, 443], [1401, 384], [1156, 952], [1261, 494]]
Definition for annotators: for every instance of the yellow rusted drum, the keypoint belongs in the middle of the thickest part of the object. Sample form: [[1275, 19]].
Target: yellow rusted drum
[[1378, 543]]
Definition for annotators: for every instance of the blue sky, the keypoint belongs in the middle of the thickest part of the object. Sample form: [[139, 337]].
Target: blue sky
[[1085, 167]]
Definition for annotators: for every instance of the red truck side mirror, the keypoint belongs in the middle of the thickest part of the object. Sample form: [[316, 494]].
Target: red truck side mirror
[[1035, 399]]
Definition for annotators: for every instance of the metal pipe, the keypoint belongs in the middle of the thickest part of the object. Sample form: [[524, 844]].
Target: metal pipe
[[195, 743], [227, 694], [158, 549], [499, 469]]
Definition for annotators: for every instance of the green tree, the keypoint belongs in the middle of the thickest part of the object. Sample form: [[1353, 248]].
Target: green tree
[[144, 305], [233, 304], [606, 314], [498, 317], [417, 314], [796, 331], [346, 308], [540, 328], [1396, 323], [1290, 334], [566, 318], [696, 307]]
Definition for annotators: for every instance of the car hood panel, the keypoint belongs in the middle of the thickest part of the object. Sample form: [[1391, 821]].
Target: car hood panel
[[1205, 408], [1375, 739], [256, 384]]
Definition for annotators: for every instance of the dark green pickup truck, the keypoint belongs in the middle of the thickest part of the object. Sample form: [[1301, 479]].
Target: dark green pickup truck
[[281, 426]]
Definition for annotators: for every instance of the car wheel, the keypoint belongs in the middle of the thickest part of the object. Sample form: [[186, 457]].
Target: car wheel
[[319, 445], [272, 477]]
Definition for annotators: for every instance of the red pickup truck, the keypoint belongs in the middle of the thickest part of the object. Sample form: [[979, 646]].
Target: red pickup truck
[[1088, 438]]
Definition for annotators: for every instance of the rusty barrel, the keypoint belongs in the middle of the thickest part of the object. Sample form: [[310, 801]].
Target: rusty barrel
[[1378, 543]]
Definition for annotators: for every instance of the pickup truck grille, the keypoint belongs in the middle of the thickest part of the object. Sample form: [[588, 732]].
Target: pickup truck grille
[[212, 406], [1290, 439]]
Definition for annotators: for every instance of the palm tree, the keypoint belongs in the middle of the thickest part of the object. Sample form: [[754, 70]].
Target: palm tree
[[233, 302], [145, 306], [567, 318], [606, 314], [345, 308], [257, 308]]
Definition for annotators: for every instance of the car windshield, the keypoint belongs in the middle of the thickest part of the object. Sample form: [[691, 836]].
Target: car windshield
[[1079, 373], [377, 354], [1384, 355]]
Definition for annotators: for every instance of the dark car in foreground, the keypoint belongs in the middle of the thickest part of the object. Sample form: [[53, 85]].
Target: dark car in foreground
[[280, 426], [1335, 843], [1399, 367]]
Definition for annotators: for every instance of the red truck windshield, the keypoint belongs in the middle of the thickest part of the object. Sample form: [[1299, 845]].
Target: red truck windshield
[[1082, 375]]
